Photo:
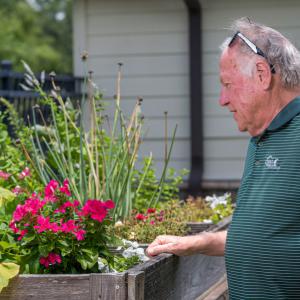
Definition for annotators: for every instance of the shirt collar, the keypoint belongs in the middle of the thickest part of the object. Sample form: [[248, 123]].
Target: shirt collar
[[285, 115]]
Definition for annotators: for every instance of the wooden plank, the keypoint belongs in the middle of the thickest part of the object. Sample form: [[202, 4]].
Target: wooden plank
[[47, 287], [181, 278], [136, 285], [219, 291], [110, 286]]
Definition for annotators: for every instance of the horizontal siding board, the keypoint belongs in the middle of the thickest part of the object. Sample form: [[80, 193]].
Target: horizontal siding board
[[165, 43], [140, 66], [141, 23], [219, 149], [104, 7], [176, 164], [145, 86], [180, 148], [214, 128], [222, 169], [175, 106], [263, 11]]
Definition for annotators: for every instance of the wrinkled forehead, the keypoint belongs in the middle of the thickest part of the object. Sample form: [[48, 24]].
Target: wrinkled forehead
[[228, 63]]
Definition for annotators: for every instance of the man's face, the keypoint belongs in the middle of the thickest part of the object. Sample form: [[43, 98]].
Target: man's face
[[238, 92]]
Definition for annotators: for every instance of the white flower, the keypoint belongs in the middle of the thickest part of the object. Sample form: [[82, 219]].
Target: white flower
[[214, 200], [206, 221], [119, 224], [133, 249]]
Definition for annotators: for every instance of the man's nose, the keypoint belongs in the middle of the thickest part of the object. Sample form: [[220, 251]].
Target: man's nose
[[223, 99]]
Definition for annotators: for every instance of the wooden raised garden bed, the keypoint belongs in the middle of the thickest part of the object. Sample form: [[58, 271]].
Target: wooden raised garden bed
[[163, 277]]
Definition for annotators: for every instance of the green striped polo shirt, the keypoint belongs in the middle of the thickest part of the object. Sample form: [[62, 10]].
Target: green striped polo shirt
[[263, 243]]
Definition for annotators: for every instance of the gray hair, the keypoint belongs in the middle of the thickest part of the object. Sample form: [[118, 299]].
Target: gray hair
[[280, 52]]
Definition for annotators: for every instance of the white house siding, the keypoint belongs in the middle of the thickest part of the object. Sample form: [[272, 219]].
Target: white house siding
[[151, 39], [224, 146]]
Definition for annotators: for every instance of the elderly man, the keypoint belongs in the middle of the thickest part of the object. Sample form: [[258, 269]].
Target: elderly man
[[260, 77]]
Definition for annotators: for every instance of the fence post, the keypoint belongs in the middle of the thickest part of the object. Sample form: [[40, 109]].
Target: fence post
[[6, 70], [7, 87]]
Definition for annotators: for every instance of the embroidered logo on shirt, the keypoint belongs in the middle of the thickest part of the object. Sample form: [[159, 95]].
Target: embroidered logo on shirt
[[272, 163]]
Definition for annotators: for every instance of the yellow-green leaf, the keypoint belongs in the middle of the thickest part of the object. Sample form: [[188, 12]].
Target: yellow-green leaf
[[7, 271], [5, 196]]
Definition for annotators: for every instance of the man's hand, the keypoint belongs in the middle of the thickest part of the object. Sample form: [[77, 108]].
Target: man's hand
[[168, 244], [206, 243]]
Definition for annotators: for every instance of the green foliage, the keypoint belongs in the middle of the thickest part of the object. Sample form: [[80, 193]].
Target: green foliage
[[36, 34], [121, 264], [99, 164], [144, 227], [171, 219], [7, 271], [170, 187]]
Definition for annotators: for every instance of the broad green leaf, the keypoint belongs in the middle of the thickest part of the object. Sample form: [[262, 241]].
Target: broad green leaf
[[7, 271], [5, 196]]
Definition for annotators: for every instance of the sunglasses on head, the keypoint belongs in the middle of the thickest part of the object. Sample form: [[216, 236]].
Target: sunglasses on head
[[252, 46]]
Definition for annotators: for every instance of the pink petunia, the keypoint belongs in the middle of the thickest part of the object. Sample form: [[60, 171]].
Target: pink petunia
[[151, 210], [50, 189], [43, 224], [17, 190], [109, 204], [51, 259], [68, 226], [96, 209], [140, 217], [25, 173], [4, 175], [22, 233], [13, 227], [65, 188], [80, 234]]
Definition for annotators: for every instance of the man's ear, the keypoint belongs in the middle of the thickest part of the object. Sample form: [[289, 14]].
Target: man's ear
[[263, 74]]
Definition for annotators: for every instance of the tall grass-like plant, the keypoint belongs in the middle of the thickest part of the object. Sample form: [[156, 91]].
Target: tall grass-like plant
[[99, 163]]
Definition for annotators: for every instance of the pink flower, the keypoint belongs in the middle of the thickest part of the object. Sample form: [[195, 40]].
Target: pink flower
[[80, 234], [17, 190], [43, 224], [25, 173], [152, 222], [151, 210], [32, 206], [22, 233], [140, 217], [65, 188], [109, 204], [51, 259], [19, 213], [4, 175], [96, 209], [50, 189], [76, 203], [69, 226], [13, 227]]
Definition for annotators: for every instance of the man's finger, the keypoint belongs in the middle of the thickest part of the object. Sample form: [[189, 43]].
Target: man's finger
[[158, 249]]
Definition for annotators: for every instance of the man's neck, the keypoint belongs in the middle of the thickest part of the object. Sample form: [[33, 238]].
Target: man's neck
[[277, 101]]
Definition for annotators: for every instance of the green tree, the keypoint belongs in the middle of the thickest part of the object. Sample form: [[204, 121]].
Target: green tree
[[34, 32]]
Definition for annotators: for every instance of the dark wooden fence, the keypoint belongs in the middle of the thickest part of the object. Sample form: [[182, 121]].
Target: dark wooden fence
[[24, 101]]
